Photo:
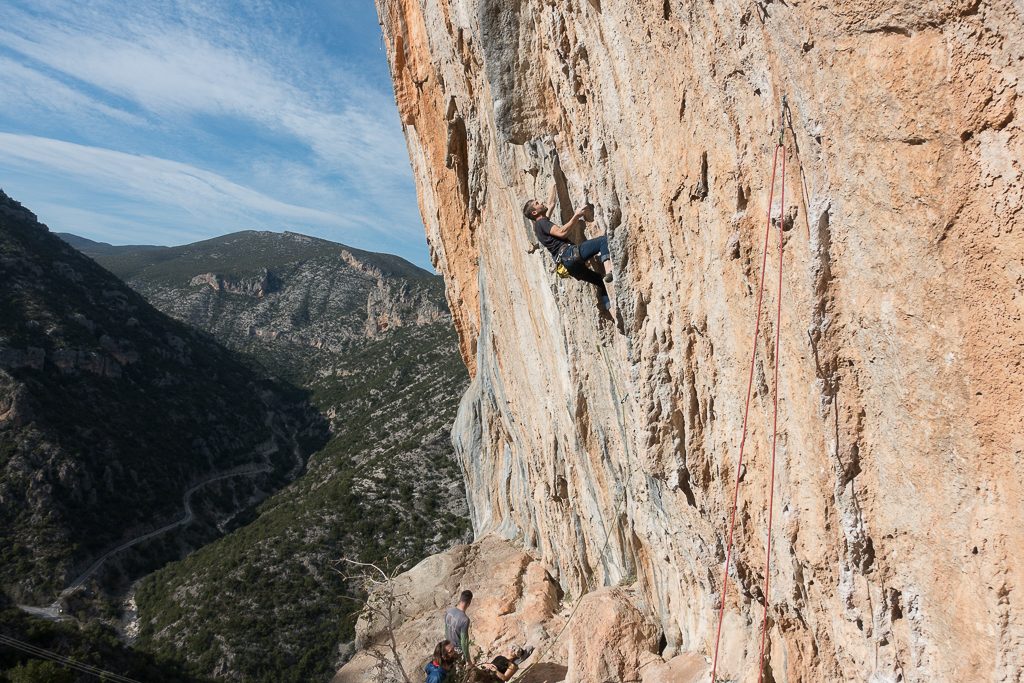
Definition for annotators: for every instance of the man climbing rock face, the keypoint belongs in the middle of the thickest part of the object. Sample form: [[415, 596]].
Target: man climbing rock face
[[573, 256]]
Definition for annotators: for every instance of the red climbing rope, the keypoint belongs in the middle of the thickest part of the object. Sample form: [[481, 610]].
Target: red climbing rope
[[746, 411], [775, 418]]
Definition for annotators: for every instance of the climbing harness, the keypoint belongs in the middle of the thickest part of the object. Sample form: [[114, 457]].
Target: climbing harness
[[780, 151]]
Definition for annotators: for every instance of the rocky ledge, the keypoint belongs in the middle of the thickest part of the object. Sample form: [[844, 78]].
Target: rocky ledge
[[601, 636]]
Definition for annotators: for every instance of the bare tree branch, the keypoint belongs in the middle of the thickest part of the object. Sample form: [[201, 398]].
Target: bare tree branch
[[381, 601]]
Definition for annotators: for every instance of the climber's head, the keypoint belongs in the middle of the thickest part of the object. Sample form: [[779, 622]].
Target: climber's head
[[534, 209], [465, 598]]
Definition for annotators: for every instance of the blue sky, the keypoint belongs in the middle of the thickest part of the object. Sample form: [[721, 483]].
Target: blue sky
[[167, 122]]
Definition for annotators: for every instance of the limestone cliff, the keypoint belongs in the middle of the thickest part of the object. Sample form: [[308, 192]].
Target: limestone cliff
[[898, 500]]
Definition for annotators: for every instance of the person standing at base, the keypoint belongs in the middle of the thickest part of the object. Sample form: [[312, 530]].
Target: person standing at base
[[456, 625]]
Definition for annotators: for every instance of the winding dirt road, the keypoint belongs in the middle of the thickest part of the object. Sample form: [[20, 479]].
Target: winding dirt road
[[53, 611]]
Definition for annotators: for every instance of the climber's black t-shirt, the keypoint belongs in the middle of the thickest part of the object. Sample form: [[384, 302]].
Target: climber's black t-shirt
[[542, 228]]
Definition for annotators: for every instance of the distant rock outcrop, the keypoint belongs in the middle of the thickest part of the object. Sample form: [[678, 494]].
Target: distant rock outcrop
[[294, 297], [259, 286], [898, 504]]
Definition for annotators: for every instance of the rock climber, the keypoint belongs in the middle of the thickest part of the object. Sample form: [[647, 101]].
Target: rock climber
[[456, 625], [572, 256]]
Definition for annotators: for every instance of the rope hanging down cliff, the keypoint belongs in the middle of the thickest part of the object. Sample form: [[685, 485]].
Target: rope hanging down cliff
[[780, 151], [618, 402]]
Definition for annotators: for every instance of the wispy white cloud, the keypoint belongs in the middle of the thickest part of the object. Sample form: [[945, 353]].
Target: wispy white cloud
[[226, 110], [126, 228], [174, 73], [144, 178], [28, 92]]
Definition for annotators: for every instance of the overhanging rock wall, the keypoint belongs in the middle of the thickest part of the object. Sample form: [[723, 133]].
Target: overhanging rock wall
[[898, 494]]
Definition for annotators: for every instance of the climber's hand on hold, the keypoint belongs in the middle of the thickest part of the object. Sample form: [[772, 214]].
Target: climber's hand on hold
[[588, 212], [563, 230]]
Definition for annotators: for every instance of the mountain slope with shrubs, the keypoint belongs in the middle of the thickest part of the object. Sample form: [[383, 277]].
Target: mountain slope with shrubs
[[110, 410], [369, 336]]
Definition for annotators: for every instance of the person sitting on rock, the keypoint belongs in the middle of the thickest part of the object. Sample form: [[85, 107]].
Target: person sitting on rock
[[442, 662], [573, 256], [456, 625], [502, 667]]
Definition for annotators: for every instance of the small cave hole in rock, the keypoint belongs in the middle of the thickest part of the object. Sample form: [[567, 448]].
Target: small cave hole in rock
[[895, 608], [561, 489], [974, 551], [966, 135], [741, 199], [685, 487], [868, 555], [701, 190], [662, 643]]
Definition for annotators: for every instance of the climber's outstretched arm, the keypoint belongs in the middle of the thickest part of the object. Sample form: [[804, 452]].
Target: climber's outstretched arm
[[561, 231], [554, 195]]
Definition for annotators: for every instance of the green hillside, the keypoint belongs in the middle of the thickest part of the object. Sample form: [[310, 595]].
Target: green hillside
[[110, 410], [368, 335]]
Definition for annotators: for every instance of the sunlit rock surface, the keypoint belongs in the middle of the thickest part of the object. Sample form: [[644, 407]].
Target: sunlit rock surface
[[898, 501], [516, 603]]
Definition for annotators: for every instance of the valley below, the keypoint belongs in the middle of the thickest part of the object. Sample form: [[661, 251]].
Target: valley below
[[239, 582]]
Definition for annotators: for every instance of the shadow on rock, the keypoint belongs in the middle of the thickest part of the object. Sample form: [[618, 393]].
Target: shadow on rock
[[546, 672]]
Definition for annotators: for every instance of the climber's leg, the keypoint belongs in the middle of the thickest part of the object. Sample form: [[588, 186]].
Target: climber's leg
[[598, 245], [584, 274]]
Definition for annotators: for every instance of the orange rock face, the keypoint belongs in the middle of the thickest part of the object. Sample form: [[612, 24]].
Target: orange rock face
[[610, 449], [515, 603]]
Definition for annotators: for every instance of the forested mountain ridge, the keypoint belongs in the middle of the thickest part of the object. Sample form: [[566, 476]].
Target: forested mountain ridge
[[370, 337], [282, 297], [110, 410]]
